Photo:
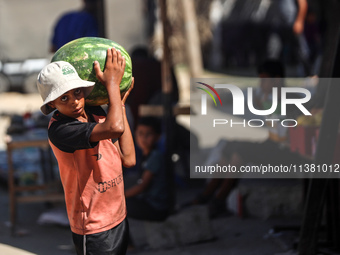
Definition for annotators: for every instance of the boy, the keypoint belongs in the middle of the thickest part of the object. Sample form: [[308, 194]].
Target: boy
[[90, 148], [149, 199]]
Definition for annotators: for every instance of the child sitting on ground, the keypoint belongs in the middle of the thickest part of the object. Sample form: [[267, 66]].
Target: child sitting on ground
[[149, 199]]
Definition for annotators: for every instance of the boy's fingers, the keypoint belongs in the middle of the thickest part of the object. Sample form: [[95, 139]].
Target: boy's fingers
[[96, 67], [124, 62], [99, 73], [127, 93], [120, 58], [114, 55], [109, 56], [132, 83], [119, 54]]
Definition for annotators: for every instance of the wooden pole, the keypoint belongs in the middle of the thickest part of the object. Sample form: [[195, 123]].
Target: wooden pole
[[192, 38], [166, 61], [100, 15], [166, 92]]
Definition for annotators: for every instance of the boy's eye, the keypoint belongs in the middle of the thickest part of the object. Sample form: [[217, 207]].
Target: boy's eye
[[64, 98], [77, 91]]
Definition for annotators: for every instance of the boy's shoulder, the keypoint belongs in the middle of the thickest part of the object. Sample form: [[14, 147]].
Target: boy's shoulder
[[69, 134], [155, 154]]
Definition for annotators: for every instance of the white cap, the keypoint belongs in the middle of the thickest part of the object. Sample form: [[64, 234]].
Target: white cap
[[57, 78]]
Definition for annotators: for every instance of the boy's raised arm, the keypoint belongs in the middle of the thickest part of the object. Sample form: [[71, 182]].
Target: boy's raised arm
[[113, 126], [125, 144]]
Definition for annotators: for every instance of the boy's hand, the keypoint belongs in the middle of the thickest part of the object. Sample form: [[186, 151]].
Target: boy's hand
[[127, 93], [114, 68]]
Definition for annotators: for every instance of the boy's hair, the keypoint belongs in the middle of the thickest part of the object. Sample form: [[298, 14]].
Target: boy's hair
[[152, 122], [272, 67]]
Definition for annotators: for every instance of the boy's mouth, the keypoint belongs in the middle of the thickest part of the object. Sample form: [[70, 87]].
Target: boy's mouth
[[78, 110]]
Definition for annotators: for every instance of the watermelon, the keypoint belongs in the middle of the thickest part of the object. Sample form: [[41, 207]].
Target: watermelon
[[82, 52]]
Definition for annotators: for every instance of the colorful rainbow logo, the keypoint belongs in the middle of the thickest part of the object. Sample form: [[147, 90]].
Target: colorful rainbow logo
[[209, 93]]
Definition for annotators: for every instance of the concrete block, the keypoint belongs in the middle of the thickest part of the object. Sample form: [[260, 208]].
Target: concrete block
[[191, 225], [160, 235], [272, 198]]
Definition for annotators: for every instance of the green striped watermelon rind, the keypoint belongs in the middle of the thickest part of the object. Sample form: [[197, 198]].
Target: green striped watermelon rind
[[82, 52]]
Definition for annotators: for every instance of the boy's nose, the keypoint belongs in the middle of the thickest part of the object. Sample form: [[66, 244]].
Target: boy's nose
[[75, 99]]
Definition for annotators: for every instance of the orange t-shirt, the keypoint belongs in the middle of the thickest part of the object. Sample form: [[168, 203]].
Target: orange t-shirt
[[91, 174]]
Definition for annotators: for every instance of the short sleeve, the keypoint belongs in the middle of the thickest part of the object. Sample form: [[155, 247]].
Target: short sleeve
[[154, 162], [69, 136]]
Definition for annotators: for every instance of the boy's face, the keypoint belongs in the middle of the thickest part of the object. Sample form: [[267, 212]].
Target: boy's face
[[71, 103], [146, 137]]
